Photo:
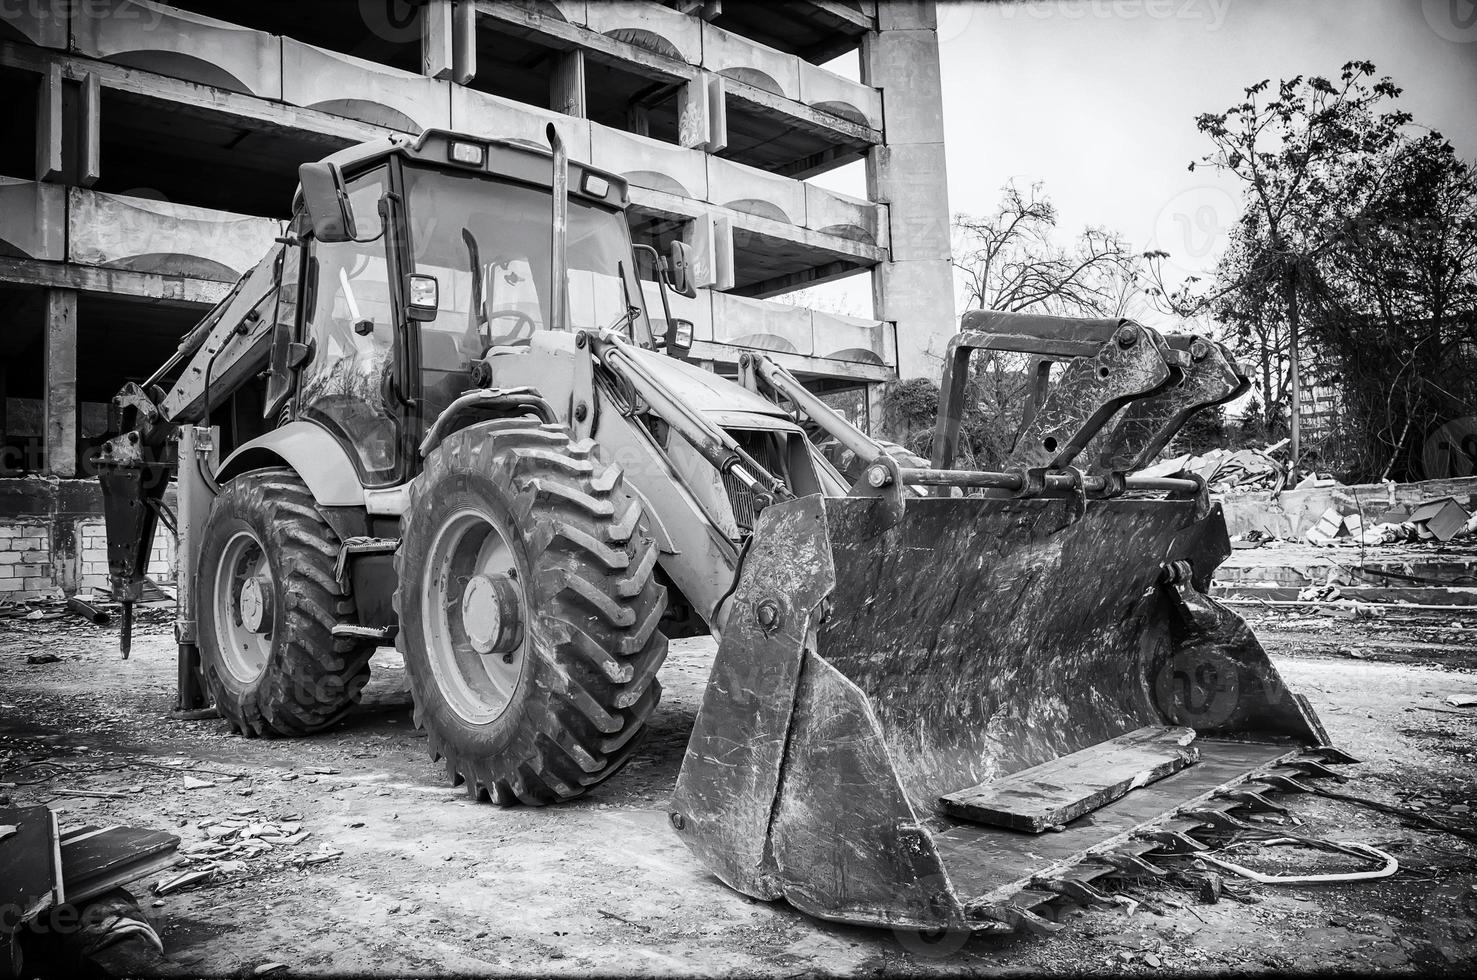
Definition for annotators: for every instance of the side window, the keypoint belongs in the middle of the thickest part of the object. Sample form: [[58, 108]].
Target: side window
[[351, 327]]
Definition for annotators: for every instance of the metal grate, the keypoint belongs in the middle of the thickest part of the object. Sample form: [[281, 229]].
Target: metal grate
[[768, 449]]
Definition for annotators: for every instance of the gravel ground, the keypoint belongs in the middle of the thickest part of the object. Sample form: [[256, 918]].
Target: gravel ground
[[431, 883]]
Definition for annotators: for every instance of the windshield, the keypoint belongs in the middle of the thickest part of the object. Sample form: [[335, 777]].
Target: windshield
[[487, 243]]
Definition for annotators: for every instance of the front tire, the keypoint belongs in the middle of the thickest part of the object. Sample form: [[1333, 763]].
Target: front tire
[[528, 611], [268, 603]]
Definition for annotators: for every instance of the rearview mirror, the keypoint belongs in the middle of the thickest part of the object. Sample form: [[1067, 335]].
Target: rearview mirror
[[679, 270], [425, 298], [679, 338], [327, 202]]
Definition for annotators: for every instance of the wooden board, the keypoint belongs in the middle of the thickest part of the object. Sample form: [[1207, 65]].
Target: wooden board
[[95, 861], [30, 879], [1057, 792]]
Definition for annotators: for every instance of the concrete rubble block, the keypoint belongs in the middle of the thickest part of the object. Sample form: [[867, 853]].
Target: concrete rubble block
[[481, 114], [159, 38], [651, 163], [829, 92], [161, 237], [363, 90], [698, 311], [761, 324], [754, 191], [832, 213], [33, 22], [847, 338], [748, 61], [33, 219], [653, 27]]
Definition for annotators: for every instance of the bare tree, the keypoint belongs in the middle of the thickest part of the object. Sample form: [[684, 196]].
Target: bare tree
[[1010, 261]]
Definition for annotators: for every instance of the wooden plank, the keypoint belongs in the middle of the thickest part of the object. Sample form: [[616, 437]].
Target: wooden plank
[[1058, 792], [28, 879], [98, 861]]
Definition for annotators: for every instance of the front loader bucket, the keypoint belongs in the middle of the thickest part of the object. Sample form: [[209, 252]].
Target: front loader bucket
[[875, 662]]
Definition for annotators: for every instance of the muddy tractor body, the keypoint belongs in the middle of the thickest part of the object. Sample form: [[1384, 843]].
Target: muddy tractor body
[[440, 414]]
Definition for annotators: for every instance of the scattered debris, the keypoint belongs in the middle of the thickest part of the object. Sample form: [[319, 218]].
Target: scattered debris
[[87, 610], [1440, 519], [36, 659]]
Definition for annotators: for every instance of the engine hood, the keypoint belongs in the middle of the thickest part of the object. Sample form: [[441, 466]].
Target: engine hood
[[727, 403]]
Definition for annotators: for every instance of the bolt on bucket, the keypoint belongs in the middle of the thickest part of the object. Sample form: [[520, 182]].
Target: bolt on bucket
[[875, 662]]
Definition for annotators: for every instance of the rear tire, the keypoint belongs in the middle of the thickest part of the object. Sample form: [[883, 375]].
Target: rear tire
[[296, 677], [544, 709]]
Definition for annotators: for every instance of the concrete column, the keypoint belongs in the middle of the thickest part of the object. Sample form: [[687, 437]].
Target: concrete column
[[908, 172], [59, 410], [49, 124], [567, 84]]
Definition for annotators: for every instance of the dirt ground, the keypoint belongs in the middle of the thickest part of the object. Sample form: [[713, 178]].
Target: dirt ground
[[431, 883]]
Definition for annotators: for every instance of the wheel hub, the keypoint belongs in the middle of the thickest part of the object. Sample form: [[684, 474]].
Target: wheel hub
[[255, 604], [491, 614]]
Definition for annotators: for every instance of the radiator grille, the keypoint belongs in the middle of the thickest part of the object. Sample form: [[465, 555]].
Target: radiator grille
[[768, 449]]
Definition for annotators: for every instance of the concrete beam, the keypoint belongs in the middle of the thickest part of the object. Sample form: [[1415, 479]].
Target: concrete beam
[[165, 290], [335, 132], [799, 363], [59, 406]]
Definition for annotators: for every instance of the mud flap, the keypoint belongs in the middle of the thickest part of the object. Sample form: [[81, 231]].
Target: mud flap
[[871, 665]]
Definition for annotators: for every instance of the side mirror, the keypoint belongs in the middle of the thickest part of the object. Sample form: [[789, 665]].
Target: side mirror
[[679, 270], [327, 202], [679, 338], [425, 297]]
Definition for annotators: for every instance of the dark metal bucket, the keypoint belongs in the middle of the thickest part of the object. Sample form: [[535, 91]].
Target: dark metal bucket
[[869, 667]]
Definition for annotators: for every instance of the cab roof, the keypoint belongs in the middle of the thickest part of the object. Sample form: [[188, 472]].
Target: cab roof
[[520, 160]]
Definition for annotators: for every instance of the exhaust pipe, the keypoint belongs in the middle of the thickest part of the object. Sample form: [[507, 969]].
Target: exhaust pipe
[[559, 259]]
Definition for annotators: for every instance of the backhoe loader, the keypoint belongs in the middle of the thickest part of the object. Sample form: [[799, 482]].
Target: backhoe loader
[[440, 414]]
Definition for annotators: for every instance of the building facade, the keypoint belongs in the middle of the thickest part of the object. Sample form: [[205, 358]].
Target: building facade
[[151, 151]]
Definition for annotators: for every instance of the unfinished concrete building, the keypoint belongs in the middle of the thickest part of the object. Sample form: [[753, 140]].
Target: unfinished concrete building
[[150, 154]]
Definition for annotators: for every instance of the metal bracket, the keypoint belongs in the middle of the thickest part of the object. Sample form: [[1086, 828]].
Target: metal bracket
[[883, 479], [1200, 614], [1133, 364], [1209, 377]]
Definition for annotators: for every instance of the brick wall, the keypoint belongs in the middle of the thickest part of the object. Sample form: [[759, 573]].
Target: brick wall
[[92, 556], [25, 560]]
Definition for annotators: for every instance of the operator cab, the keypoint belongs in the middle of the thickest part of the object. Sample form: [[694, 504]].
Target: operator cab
[[416, 259]]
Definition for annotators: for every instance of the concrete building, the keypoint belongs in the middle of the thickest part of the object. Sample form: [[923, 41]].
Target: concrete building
[[150, 155]]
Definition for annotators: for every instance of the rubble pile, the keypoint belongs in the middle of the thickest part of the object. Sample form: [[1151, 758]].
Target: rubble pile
[[1236, 470]]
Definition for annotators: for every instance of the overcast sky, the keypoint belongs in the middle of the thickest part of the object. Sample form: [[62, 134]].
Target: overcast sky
[[1097, 98]]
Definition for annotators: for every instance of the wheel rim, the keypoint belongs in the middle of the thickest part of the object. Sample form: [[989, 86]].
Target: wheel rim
[[473, 616], [243, 593]]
